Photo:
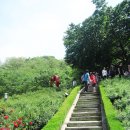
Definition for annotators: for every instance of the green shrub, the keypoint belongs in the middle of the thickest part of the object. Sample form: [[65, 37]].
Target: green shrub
[[110, 112], [56, 122], [37, 107], [117, 90], [20, 75]]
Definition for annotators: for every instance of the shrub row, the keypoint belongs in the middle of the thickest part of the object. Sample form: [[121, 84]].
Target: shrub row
[[110, 112], [56, 122]]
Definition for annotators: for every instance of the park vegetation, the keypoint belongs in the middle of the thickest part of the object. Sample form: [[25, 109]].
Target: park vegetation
[[117, 90], [31, 101], [20, 75], [57, 120], [100, 40], [30, 110], [112, 123]]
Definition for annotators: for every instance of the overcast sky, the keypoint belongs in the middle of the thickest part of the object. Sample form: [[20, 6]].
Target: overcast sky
[[30, 28]]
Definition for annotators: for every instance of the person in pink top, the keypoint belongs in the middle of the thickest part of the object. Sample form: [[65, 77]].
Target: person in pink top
[[55, 79], [93, 81]]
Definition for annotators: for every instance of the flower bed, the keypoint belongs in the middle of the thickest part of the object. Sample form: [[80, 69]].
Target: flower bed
[[31, 110]]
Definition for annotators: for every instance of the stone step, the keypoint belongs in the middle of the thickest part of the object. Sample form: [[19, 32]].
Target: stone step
[[90, 93], [87, 110], [84, 123], [88, 106], [95, 94], [87, 93], [89, 100], [75, 114], [92, 98], [86, 118], [87, 103], [85, 128]]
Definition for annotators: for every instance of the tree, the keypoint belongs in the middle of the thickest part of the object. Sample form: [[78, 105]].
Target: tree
[[119, 32], [102, 39]]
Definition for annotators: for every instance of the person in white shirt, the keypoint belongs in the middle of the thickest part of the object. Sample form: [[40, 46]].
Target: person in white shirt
[[74, 83], [104, 73]]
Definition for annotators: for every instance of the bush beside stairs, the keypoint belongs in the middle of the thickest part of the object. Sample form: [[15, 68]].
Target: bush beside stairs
[[85, 113]]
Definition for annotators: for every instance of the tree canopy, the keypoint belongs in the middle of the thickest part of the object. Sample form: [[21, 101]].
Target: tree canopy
[[100, 40]]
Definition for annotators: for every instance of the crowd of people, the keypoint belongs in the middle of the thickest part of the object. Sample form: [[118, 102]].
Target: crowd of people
[[115, 70], [91, 79]]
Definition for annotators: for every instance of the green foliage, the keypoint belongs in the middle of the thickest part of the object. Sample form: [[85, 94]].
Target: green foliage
[[56, 122], [119, 31], [99, 3], [37, 107], [118, 92], [20, 75], [102, 39], [110, 112]]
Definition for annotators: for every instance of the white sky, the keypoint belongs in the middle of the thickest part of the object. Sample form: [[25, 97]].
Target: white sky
[[30, 28]]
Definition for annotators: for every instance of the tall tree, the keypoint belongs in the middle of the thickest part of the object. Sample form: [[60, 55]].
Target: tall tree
[[119, 32], [102, 39]]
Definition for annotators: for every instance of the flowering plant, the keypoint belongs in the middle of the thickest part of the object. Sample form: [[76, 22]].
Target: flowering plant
[[7, 122]]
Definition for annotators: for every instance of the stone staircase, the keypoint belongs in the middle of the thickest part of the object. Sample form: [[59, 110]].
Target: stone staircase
[[86, 114]]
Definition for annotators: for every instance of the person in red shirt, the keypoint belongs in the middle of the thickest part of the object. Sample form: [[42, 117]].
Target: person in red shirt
[[93, 81], [55, 79]]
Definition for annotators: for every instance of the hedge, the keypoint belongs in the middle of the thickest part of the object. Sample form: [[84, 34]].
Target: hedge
[[57, 120], [110, 112]]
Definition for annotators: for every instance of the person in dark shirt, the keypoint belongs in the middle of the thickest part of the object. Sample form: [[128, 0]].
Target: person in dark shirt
[[120, 70], [112, 71]]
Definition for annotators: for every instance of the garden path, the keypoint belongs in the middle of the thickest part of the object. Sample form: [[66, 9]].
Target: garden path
[[86, 113]]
